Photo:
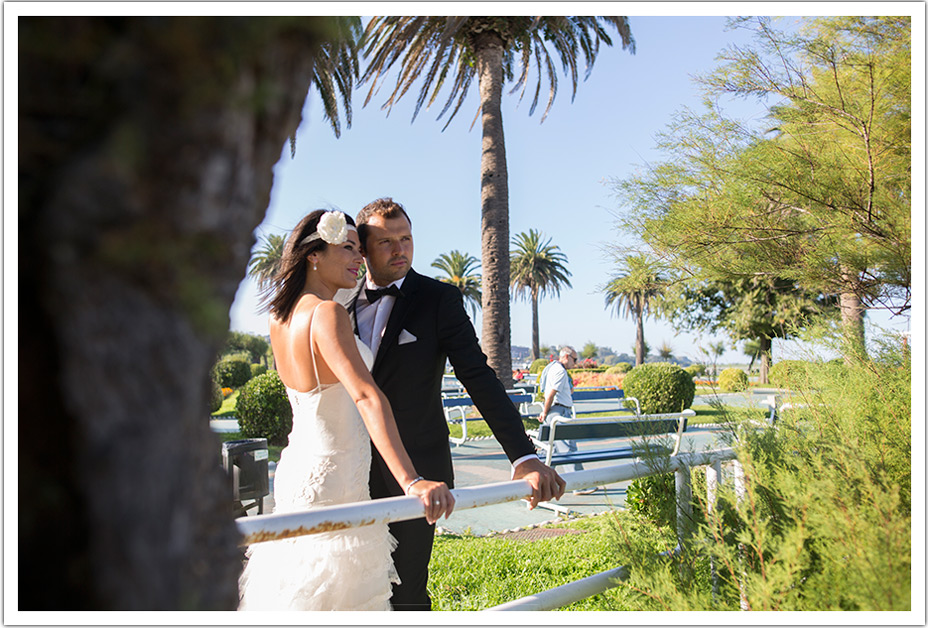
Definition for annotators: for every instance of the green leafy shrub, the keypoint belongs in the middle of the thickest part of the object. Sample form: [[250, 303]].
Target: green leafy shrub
[[232, 372], [263, 409], [696, 370], [733, 380], [660, 387], [788, 373], [258, 369], [215, 396], [621, 367], [824, 520], [537, 366], [654, 498]]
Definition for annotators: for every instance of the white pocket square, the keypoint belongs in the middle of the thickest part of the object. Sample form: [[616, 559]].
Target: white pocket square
[[405, 338]]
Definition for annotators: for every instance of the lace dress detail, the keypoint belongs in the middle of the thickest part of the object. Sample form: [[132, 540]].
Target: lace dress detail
[[326, 462]]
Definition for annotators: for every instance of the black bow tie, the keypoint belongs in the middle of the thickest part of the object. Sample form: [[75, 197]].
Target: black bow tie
[[373, 295]]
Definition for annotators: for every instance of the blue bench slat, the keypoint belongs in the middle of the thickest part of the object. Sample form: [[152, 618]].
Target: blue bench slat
[[599, 455], [580, 394]]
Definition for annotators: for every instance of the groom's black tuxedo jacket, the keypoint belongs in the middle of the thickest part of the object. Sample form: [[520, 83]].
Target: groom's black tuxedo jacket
[[427, 325]]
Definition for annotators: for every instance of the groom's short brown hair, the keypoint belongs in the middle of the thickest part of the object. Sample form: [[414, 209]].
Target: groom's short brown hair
[[386, 207]]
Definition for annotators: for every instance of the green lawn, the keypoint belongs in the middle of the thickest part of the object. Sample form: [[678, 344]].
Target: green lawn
[[474, 573], [228, 406]]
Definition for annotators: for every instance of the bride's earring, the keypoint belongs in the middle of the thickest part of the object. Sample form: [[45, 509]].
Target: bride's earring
[[314, 266]]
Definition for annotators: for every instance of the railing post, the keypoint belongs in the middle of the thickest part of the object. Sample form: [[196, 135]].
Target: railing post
[[713, 479], [740, 493]]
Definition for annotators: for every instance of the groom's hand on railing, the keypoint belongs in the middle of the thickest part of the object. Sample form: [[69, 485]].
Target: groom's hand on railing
[[546, 483]]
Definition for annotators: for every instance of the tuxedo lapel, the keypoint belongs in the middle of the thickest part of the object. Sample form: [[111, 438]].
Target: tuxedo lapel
[[395, 323], [352, 302]]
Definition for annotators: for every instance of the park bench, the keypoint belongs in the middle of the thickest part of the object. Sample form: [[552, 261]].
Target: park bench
[[608, 427], [461, 404], [583, 396]]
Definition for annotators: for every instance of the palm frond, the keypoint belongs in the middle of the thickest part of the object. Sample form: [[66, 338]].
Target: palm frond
[[428, 50]]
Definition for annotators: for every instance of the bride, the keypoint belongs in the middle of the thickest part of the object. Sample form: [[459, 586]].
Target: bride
[[337, 412]]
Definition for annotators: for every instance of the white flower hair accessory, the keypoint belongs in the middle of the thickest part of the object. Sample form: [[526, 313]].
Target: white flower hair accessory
[[332, 229]]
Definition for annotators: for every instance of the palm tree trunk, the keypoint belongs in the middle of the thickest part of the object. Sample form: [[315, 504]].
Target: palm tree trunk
[[494, 196], [140, 186], [535, 334], [639, 333]]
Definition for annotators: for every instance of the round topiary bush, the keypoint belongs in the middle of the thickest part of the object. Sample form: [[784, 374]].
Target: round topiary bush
[[660, 387], [263, 409], [537, 366], [733, 380], [618, 369], [787, 373], [696, 370], [258, 369], [215, 396], [232, 372]]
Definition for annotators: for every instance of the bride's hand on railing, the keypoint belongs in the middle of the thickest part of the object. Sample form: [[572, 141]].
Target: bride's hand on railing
[[435, 496]]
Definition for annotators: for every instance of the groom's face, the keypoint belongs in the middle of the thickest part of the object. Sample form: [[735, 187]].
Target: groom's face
[[388, 249]]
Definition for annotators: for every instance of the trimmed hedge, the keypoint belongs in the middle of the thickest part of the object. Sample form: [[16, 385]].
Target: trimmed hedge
[[232, 372], [594, 369], [258, 369], [660, 387], [619, 368], [263, 409], [215, 396], [733, 380], [696, 369], [537, 366]]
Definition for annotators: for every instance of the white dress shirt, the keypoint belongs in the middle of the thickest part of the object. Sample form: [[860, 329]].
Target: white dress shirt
[[372, 318]]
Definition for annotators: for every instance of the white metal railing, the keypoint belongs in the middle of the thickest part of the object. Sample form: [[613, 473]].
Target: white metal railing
[[270, 527]]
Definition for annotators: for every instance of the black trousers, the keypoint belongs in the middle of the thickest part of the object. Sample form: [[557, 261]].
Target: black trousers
[[414, 545], [411, 559]]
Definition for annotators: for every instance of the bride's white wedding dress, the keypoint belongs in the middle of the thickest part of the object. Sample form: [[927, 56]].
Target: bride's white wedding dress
[[326, 462]]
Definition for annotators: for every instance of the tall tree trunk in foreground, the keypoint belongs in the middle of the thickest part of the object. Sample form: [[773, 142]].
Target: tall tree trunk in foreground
[[146, 150], [494, 194]]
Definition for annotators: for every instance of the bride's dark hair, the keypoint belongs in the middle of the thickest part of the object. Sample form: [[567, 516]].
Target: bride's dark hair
[[284, 289]]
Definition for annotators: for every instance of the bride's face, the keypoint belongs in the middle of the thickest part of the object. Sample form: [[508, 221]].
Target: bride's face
[[338, 264]]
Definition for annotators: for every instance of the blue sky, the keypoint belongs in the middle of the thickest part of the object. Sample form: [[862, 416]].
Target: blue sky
[[559, 175]]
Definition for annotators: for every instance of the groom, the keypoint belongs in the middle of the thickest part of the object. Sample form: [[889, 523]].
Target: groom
[[412, 323]]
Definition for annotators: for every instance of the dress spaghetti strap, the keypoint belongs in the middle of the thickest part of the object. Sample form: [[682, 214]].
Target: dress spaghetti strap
[[312, 354]]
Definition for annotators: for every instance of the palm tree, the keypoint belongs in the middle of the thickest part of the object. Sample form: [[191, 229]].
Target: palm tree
[[335, 72], [666, 351], [490, 48], [459, 272], [636, 290], [589, 351], [538, 268], [264, 262], [752, 349]]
